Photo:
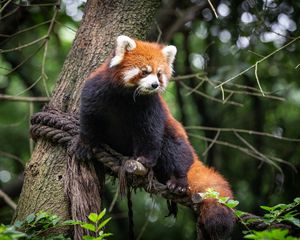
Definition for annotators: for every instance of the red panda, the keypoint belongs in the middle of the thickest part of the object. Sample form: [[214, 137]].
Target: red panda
[[121, 105]]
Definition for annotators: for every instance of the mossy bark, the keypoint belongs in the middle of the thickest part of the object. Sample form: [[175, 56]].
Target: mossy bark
[[103, 21]]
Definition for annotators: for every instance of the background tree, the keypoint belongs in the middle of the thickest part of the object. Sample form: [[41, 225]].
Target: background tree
[[211, 49]]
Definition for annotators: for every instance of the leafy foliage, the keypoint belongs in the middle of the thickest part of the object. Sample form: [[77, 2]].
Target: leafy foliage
[[95, 226], [274, 234], [35, 226]]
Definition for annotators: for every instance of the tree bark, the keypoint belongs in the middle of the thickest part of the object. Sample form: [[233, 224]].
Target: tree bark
[[103, 21]]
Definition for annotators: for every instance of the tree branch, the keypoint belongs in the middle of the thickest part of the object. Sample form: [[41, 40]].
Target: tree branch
[[8, 200], [23, 99]]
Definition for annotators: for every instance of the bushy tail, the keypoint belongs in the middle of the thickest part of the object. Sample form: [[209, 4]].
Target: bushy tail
[[216, 220]]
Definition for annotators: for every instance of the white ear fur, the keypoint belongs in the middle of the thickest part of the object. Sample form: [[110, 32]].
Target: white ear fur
[[169, 52], [124, 44]]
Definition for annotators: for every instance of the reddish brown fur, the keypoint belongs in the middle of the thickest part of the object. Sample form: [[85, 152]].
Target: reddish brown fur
[[200, 177]]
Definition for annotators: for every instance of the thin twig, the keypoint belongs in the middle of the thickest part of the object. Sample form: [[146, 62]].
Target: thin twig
[[250, 132], [213, 83], [66, 26], [247, 151], [258, 92], [211, 144], [12, 156], [31, 86], [268, 160], [255, 94], [5, 5], [25, 60], [159, 32], [25, 29], [114, 200], [24, 45], [23, 99], [10, 13], [39, 4], [259, 61], [43, 73], [213, 9], [257, 54], [195, 88], [8, 200], [188, 76], [257, 80], [210, 97]]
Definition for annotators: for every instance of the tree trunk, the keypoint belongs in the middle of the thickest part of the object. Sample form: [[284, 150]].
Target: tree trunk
[[103, 21]]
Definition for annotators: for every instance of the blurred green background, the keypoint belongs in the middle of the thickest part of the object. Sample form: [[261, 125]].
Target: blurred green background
[[262, 168]]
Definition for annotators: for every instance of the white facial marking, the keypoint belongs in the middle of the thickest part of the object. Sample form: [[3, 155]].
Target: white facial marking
[[164, 80], [124, 44], [146, 83], [169, 52], [131, 73], [149, 68]]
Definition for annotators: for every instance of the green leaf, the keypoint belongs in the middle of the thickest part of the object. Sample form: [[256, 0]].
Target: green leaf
[[89, 226], [281, 206], [106, 234], [88, 238], [232, 203], [18, 223], [266, 208], [41, 215], [274, 234], [250, 236], [93, 217], [297, 200], [30, 218], [55, 221], [102, 224], [18, 235], [101, 214], [223, 199], [294, 221], [239, 213], [73, 222]]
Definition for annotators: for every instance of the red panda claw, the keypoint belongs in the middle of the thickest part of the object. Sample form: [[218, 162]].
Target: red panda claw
[[176, 186]]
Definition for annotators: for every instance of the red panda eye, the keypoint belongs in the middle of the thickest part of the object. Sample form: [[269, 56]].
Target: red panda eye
[[158, 74], [144, 73]]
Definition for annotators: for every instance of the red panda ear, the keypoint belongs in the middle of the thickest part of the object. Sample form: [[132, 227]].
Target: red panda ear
[[124, 44], [169, 52]]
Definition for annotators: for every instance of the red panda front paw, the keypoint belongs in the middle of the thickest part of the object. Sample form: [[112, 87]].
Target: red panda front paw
[[177, 185], [148, 163]]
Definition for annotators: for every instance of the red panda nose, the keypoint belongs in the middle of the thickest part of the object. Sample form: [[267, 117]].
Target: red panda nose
[[154, 85]]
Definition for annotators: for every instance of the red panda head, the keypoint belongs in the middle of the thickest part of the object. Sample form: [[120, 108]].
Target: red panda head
[[145, 66]]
